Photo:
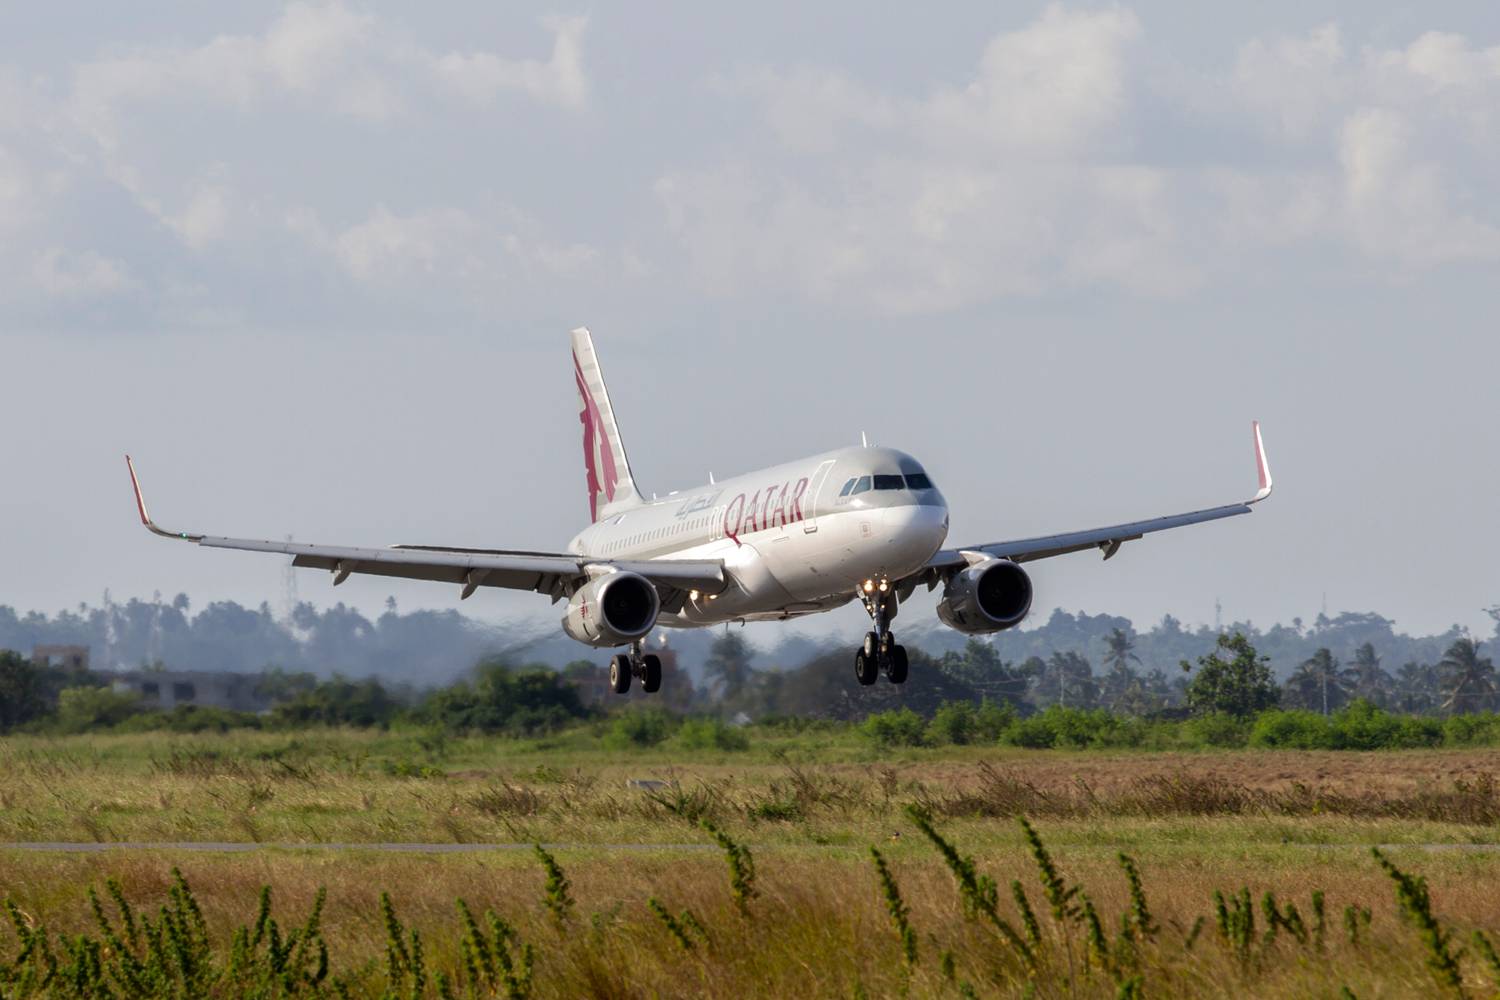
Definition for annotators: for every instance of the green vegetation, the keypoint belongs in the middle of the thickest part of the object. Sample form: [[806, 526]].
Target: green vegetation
[[169, 946], [1357, 726], [810, 861]]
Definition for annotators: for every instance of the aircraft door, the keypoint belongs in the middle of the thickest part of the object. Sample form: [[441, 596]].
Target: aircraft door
[[810, 524]]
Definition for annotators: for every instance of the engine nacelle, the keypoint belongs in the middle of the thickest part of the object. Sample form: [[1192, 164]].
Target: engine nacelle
[[612, 610], [987, 597]]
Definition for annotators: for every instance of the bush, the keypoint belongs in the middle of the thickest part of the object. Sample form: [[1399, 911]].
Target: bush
[[1060, 726], [528, 702], [191, 719], [1482, 729], [80, 709], [642, 727], [899, 728], [1358, 726], [1217, 729], [710, 734], [1292, 730], [991, 720], [1362, 726], [954, 722], [339, 702]]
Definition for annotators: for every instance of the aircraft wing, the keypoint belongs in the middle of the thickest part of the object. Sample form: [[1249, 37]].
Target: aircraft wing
[[549, 573], [1108, 539]]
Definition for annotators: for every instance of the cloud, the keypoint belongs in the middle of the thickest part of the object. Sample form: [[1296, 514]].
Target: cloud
[[77, 274], [480, 77], [479, 254], [1040, 173], [208, 145], [15, 188], [342, 61], [1000, 186], [1052, 86]]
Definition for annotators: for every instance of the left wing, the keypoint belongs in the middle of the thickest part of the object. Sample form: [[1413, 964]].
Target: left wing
[[551, 573], [1107, 539]]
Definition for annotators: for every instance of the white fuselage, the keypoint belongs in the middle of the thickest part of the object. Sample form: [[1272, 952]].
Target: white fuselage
[[795, 539]]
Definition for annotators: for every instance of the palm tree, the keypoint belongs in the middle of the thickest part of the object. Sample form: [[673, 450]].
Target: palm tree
[[1468, 678], [1417, 685], [728, 664], [1066, 679], [1121, 650], [1318, 683], [1366, 678]]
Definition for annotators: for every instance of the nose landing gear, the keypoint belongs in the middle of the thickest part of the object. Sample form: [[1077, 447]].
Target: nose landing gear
[[636, 663], [880, 652]]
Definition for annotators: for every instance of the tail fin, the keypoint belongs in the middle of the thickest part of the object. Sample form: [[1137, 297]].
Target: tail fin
[[611, 486]]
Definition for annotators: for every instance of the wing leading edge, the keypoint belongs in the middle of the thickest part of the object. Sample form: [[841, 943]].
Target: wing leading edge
[[554, 574], [1107, 539]]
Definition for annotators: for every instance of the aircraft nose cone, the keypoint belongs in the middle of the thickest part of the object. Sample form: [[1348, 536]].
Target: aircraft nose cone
[[917, 530]]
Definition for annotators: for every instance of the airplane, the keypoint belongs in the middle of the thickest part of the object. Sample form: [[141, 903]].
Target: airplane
[[864, 524]]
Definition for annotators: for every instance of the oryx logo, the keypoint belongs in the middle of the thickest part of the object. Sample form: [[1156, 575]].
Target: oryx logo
[[598, 455]]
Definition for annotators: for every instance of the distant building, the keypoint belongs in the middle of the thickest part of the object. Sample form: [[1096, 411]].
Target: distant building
[[74, 658], [166, 689]]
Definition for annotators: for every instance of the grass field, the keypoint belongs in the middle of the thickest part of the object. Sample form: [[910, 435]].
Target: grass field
[[811, 918]]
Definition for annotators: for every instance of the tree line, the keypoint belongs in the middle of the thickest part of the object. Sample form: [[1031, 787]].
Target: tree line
[[497, 697], [1461, 680], [435, 647]]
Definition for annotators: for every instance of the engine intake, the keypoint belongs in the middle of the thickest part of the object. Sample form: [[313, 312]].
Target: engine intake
[[987, 597], [612, 610]]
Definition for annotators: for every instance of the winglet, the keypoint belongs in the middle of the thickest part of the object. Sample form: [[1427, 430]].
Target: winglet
[[140, 505], [1262, 467]]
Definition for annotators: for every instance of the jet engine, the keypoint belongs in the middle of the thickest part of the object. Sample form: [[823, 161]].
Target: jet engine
[[612, 610], [987, 597]]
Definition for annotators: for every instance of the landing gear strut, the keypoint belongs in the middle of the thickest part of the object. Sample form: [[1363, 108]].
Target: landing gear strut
[[636, 663], [880, 652]]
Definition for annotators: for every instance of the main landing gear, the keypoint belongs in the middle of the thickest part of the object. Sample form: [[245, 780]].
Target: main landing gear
[[880, 652], [636, 663]]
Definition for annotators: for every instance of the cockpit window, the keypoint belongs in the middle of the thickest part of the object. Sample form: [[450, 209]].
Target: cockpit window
[[888, 483], [847, 487], [919, 481], [862, 485]]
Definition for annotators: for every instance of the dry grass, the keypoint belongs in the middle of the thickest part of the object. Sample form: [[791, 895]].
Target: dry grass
[[817, 928], [818, 923], [351, 788]]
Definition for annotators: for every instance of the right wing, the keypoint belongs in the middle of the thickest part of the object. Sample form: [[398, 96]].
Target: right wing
[[553, 573], [1107, 539]]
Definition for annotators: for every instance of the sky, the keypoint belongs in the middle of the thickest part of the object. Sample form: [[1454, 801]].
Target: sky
[[314, 265]]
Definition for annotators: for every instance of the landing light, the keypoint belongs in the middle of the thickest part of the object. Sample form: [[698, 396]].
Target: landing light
[[692, 595], [869, 585], [884, 586]]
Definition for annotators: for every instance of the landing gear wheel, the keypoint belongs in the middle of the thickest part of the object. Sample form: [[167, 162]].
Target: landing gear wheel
[[896, 664], [872, 645], [619, 673], [866, 668], [651, 680]]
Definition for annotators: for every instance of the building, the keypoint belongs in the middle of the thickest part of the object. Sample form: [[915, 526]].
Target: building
[[73, 658], [167, 689]]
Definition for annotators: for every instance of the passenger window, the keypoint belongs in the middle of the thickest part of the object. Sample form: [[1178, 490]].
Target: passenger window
[[919, 481], [888, 482], [862, 485], [847, 487]]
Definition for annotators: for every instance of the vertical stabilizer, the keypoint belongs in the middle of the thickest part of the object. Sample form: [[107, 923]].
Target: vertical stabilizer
[[611, 487]]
